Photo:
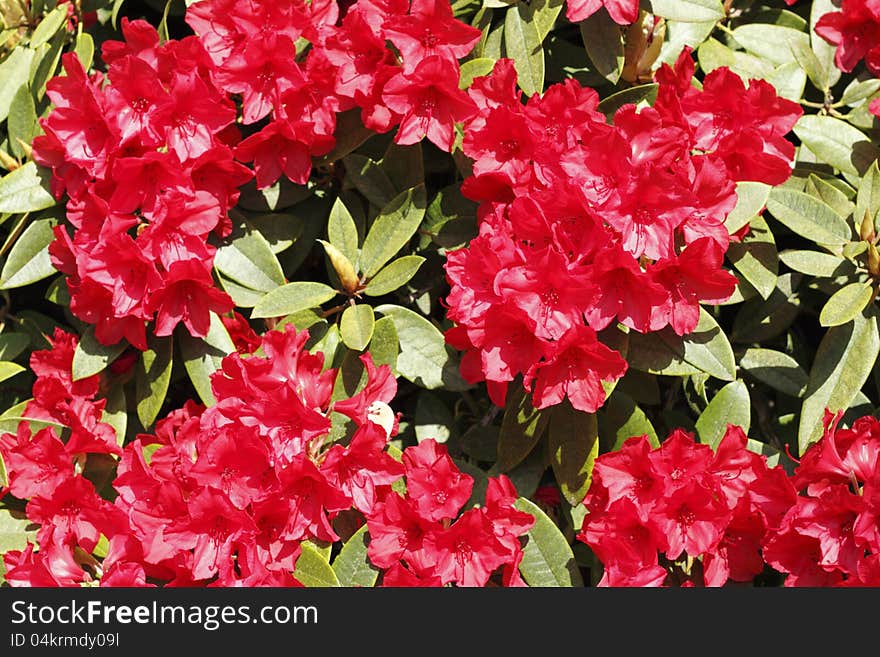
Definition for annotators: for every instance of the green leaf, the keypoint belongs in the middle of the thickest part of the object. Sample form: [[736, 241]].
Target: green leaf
[[680, 34], [830, 194], [385, 344], [424, 357], [342, 231], [731, 405], [369, 179], [522, 44], [858, 91], [246, 257], [868, 197], [291, 298], [45, 64], [85, 49], [202, 356], [115, 412], [26, 189], [433, 419], [751, 197], [22, 121], [688, 11], [15, 531], [352, 566], [843, 362], [50, 24], [622, 418], [475, 68], [312, 570], [706, 349], [12, 344], [813, 263], [543, 14], [9, 370], [825, 51], [756, 257], [845, 304], [573, 443], [28, 260], [778, 370], [809, 62], [15, 71], [789, 80], [117, 5], [349, 134], [646, 92], [772, 43], [393, 275], [152, 376], [356, 326], [712, 55], [837, 143], [450, 220], [547, 557], [404, 166], [91, 357], [521, 428], [392, 229], [603, 40], [759, 320], [4, 482], [808, 217]]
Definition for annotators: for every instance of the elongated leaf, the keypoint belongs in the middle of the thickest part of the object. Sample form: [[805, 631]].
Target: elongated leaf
[[50, 24], [646, 92], [356, 326], [759, 320], [543, 14], [28, 260], [573, 443], [778, 370], [404, 166], [808, 217], [15, 530], [352, 566], [393, 275], [475, 68], [25, 190], [292, 298], [14, 73], [392, 229], [809, 62], [621, 419], [750, 200], [424, 356], [433, 419], [868, 198], [349, 134], [824, 51], [9, 370], [247, 258], [202, 356], [523, 45], [843, 362], [712, 54], [85, 49], [342, 231], [858, 91], [836, 142], [547, 557], [91, 357], [12, 344], [813, 263], [688, 11], [771, 42], [830, 194], [369, 179], [385, 344], [705, 350], [521, 429], [22, 121], [756, 257], [845, 304], [603, 40], [115, 412], [152, 376], [731, 405], [312, 570]]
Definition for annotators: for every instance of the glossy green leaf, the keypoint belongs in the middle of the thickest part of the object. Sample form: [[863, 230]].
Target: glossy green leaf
[[394, 275], [543, 14], [845, 304], [312, 570], [809, 62], [352, 566], [712, 54], [433, 419], [28, 260], [246, 257], [9, 370], [573, 444], [778, 370], [836, 142], [706, 349], [474, 68], [202, 356], [522, 44], [808, 217], [385, 344], [349, 134], [404, 165], [152, 376], [830, 194], [824, 50], [751, 197], [15, 531], [115, 412], [647, 92], [12, 344], [15, 72], [91, 357], [759, 319], [688, 11], [22, 122], [85, 49], [859, 90], [521, 428], [868, 197], [450, 220], [731, 405], [26, 189], [392, 229], [51, 23], [843, 362], [293, 297], [369, 179], [547, 557], [812, 263], [356, 326], [621, 418], [424, 357], [755, 257], [773, 43], [342, 231], [603, 40]]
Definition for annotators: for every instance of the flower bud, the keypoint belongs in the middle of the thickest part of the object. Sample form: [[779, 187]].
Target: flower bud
[[342, 266], [873, 261], [866, 229]]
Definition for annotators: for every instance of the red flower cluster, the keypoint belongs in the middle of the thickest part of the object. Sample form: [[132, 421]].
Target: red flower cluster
[[622, 12], [683, 501], [225, 496], [585, 224], [412, 536], [831, 537], [855, 30], [146, 159]]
